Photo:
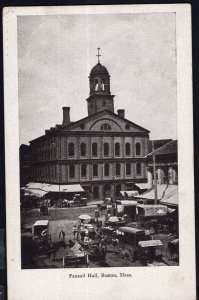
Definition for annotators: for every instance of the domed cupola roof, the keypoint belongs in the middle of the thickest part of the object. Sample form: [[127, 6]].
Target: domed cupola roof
[[99, 69]]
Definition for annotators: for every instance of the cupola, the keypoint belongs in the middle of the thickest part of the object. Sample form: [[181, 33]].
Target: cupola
[[100, 96]]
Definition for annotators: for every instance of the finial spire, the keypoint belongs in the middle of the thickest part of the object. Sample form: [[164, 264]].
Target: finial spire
[[98, 55]]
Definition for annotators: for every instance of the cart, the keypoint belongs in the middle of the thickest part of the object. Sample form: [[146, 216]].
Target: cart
[[79, 201], [147, 251], [173, 250]]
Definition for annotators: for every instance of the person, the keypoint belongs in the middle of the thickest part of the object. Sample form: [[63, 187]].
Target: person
[[86, 240], [97, 214], [62, 235], [108, 216], [75, 231]]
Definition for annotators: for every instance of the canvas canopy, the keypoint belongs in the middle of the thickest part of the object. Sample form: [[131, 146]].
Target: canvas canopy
[[131, 230], [175, 242], [127, 202], [150, 243], [113, 219], [35, 193], [171, 210], [142, 185], [84, 217], [41, 223], [41, 189], [171, 198], [164, 192], [151, 210]]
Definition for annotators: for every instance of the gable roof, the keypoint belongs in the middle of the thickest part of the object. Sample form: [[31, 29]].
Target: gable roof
[[168, 148], [101, 113], [158, 143], [72, 125]]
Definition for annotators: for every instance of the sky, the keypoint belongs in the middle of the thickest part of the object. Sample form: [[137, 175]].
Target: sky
[[56, 54]]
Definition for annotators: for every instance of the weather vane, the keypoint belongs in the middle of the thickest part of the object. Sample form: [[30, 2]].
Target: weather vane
[[98, 55]]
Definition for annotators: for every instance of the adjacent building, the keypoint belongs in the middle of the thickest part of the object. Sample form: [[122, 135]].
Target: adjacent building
[[166, 163], [25, 164]]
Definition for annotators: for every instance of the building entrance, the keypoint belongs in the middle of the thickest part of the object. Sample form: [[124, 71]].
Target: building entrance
[[95, 192], [118, 190], [107, 191]]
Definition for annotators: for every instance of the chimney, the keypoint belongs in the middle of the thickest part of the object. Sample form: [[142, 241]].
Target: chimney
[[66, 115], [121, 113]]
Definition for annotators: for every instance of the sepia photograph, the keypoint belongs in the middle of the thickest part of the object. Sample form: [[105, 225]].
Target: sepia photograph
[[98, 146], [98, 140]]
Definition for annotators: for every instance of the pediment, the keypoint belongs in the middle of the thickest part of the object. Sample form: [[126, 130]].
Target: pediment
[[104, 121]]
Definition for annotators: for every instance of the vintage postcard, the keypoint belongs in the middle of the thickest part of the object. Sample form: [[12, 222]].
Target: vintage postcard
[[99, 152]]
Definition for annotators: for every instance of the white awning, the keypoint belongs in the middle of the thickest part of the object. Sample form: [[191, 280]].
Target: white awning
[[150, 243], [142, 185], [171, 198], [127, 202], [152, 210], [41, 223], [45, 187], [35, 193]]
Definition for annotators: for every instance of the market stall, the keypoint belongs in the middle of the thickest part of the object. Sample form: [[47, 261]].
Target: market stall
[[130, 234], [150, 250]]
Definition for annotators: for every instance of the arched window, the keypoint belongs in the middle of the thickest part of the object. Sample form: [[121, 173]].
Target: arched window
[[105, 126], [128, 169], [118, 169], [71, 149], [128, 149], [106, 169], [103, 84], [83, 171], [94, 149], [95, 170], [106, 149], [83, 149], [117, 149], [96, 84], [137, 149], [71, 171], [104, 103], [138, 169]]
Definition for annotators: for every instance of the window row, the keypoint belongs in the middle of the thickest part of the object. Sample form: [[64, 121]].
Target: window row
[[95, 170], [106, 149]]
